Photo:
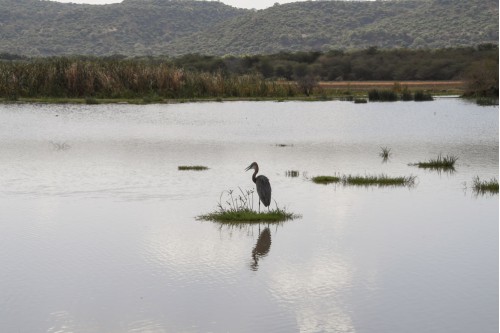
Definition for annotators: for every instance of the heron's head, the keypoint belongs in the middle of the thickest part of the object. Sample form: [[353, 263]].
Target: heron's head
[[252, 166]]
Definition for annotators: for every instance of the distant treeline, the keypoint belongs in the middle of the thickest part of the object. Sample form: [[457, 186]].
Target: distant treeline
[[198, 76], [362, 65]]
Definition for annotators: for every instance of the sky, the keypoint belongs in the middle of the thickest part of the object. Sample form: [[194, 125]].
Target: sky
[[257, 4]]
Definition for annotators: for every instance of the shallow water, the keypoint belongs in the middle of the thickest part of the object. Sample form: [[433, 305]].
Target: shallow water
[[98, 230]]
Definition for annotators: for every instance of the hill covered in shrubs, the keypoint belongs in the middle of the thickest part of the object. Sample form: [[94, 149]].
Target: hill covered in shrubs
[[160, 27]]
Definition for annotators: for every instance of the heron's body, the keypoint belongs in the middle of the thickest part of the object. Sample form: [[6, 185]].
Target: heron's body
[[262, 184]]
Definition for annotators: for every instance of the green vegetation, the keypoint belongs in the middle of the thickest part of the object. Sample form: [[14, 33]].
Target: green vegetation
[[238, 207], [325, 179], [107, 78], [485, 186], [192, 167], [367, 180], [441, 162], [153, 27], [194, 77]]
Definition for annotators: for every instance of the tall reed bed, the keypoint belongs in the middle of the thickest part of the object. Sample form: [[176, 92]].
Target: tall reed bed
[[110, 78]]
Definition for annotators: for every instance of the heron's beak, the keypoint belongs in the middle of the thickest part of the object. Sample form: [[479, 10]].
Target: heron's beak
[[248, 168]]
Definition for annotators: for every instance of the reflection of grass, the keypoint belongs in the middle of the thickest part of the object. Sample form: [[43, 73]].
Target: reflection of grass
[[485, 186], [238, 208], [192, 167], [446, 163], [381, 180]]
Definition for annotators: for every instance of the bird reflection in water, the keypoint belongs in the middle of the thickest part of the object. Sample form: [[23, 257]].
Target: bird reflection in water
[[261, 248]]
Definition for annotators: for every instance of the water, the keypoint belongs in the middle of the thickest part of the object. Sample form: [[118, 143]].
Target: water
[[98, 230]]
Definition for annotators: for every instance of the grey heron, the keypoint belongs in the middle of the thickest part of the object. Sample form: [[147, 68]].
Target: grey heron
[[262, 184]]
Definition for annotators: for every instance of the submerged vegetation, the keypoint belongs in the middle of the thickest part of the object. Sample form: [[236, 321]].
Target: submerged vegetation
[[441, 163], [367, 180], [485, 186], [238, 207]]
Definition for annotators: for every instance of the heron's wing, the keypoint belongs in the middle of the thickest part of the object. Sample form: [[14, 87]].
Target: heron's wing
[[263, 189]]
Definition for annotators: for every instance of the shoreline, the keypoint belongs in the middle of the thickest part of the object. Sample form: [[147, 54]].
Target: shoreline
[[326, 91]]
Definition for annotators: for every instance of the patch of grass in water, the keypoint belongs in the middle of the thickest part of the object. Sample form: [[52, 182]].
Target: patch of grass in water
[[445, 163], [325, 179], [385, 152], [485, 186], [292, 173], [192, 167], [381, 180], [238, 207]]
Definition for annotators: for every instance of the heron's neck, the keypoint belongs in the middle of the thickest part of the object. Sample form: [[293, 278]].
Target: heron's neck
[[254, 178]]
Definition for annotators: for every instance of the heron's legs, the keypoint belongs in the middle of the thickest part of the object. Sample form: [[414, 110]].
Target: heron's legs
[[259, 206]]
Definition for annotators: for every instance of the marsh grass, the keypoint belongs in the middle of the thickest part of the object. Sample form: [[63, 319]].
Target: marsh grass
[[485, 186], [367, 180], [192, 167], [440, 163], [360, 101], [422, 96], [238, 207]]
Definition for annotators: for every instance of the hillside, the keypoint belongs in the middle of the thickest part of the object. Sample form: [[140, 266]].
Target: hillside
[[152, 27], [324, 25], [133, 27]]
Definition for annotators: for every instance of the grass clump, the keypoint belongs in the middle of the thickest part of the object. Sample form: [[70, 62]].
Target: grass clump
[[291, 173], [360, 101], [381, 180], [192, 167], [325, 179], [441, 162], [385, 152], [485, 186], [239, 208], [367, 180]]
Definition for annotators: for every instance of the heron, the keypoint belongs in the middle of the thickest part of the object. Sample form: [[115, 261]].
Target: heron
[[262, 184]]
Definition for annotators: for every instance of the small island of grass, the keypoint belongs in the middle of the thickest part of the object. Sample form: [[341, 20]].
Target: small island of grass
[[238, 207], [192, 167], [367, 180], [441, 162], [325, 179], [485, 186]]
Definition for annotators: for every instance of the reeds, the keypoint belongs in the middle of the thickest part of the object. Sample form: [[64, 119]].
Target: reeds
[[65, 77]]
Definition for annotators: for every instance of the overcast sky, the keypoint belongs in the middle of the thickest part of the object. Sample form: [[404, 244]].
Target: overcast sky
[[257, 4]]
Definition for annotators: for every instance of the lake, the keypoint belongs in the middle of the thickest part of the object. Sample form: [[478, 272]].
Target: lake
[[98, 228]]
